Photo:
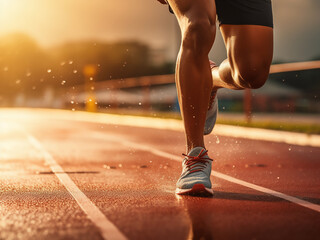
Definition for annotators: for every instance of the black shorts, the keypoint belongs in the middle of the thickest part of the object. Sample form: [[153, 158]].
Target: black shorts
[[245, 12]]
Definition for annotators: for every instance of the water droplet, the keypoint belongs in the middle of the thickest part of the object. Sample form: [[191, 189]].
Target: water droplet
[[278, 177], [28, 74], [217, 140], [63, 82], [73, 109], [289, 148], [70, 62], [62, 63], [75, 71], [49, 71], [91, 78], [140, 103], [106, 166], [18, 81], [72, 102]]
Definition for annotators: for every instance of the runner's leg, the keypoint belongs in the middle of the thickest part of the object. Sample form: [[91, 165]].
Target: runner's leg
[[193, 75], [249, 50]]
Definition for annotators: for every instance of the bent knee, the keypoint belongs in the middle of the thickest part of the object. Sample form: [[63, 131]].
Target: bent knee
[[198, 35], [253, 76]]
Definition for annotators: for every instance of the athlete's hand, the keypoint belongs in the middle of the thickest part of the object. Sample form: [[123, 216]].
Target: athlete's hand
[[162, 1]]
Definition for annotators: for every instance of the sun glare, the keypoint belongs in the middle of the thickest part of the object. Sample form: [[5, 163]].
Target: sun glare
[[11, 15], [7, 7]]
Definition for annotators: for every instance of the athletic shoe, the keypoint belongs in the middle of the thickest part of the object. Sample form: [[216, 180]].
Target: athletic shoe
[[195, 176], [212, 112]]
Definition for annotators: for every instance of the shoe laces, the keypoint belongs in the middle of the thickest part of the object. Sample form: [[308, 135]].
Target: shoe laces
[[212, 64], [192, 162]]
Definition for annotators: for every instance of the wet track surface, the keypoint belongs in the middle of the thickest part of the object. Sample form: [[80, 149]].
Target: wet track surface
[[134, 188]]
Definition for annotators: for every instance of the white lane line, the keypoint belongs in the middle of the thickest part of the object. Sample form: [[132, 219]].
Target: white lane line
[[295, 200], [301, 139], [107, 229], [160, 153]]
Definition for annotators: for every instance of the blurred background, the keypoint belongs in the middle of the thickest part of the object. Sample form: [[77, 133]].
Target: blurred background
[[119, 56]]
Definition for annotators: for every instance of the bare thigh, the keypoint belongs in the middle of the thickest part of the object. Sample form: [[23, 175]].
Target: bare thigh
[[249, 50]]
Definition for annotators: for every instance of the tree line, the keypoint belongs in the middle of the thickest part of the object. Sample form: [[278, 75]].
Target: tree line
[[27, 68]]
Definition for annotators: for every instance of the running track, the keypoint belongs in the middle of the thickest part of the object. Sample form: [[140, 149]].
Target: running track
[[69, 175]]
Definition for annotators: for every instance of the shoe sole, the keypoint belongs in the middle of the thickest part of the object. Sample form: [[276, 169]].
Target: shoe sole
[[197, 190]]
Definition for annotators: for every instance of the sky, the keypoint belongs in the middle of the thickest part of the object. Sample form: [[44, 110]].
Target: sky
[[52, 22]]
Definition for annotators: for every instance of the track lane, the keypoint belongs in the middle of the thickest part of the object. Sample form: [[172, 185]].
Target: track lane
[[34, 205], [107, 228], [138, 196]]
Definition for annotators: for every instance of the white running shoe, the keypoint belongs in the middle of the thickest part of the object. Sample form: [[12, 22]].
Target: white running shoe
[[195, 176], [212, 112]]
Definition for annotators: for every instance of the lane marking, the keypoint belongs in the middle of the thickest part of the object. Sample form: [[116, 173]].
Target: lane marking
[[300, 139], [160, 124], [295, 200], [228, 178], [107, 229]]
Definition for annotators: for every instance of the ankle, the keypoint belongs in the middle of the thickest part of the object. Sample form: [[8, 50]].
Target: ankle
[[192, 146]]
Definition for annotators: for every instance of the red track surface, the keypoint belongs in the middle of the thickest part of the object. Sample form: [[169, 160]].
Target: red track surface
[[134, 188]]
